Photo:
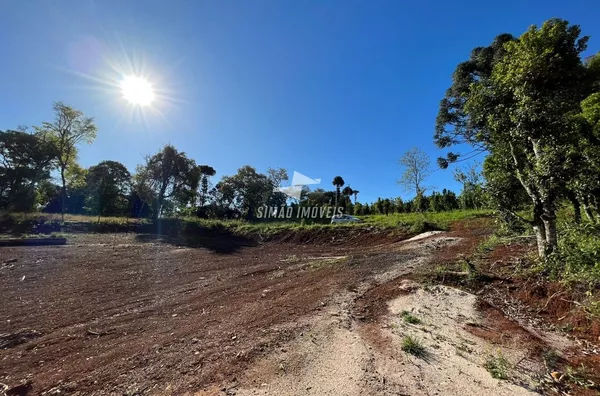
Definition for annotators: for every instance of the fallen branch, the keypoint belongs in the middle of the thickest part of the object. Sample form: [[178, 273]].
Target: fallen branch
[[550, 299]]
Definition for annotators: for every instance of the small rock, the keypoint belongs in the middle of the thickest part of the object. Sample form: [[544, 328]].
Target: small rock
[[12, 260]]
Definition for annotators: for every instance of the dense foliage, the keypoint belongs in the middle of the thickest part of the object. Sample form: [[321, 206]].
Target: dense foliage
[[531, 103]]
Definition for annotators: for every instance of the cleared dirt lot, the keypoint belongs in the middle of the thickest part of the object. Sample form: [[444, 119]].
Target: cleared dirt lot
[[128, 314], [123, 314]]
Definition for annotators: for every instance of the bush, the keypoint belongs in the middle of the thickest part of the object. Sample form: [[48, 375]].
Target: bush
[[497, 366], [420, 226], [413, 346], [410, 318], [577, 259]]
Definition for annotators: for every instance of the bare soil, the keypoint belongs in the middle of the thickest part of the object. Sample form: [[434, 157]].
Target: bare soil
[[130, 314]]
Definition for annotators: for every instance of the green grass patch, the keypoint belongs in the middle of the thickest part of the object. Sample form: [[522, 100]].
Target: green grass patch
[[420, 221], [490, 243], [406, 223], [497, 365], [577, 259], [71, 218], [322, 262], [413, 346], [410, 318]]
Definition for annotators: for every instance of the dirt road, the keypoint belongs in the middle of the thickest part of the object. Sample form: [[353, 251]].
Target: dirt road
[[128, 315]]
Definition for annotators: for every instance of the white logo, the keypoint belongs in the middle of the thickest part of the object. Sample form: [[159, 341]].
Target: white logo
[[298, 181]]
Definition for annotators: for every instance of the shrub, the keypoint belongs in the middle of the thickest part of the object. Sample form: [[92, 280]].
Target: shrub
[[413, 346], [409, 318], [497, 366], [577, 259]]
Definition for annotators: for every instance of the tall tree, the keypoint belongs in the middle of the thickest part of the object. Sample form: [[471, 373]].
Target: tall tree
[[75, 176], [206, 171], [69, 128], [107, 186], [168, 175], [585, 186], [472, 194], [246, 190], [355, 193], [338, 182], [417, 167], [276, 177], [25, 161], [518, 99], [319, 197]]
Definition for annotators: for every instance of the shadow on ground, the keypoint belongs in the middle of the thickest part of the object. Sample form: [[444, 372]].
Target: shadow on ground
[[222, 244]]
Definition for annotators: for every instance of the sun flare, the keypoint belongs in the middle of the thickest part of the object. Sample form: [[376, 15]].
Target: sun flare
[[137, 90]]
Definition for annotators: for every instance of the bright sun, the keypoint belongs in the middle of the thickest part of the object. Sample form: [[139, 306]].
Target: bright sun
[[137, 90]]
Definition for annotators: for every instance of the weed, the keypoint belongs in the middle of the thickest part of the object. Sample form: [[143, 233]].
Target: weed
[[474, 275], [593, 308], [577, 259], [497, 365], [413, 346], [291, 259], [409, 318], [579, 376], [551, 358], [326, 261], [490, 243]]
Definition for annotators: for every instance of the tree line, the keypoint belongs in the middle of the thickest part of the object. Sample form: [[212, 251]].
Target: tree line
[[167, 183]]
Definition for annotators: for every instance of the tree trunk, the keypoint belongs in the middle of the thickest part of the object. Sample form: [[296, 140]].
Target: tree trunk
[[204, 190], [596, 199], [588, 210], [589, 214], [576, 205], [159, 200], [551, 233], [63, 193], [540, 230]]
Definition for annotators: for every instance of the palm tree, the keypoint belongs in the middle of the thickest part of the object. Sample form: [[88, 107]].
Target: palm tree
[[355, 192], [348, 191], [338, 182], [206, 171]]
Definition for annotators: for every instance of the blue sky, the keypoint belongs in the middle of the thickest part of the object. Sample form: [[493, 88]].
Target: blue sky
[[321, 87]]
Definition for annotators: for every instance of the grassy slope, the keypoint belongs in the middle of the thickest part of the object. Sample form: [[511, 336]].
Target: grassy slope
[[415, 222]]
